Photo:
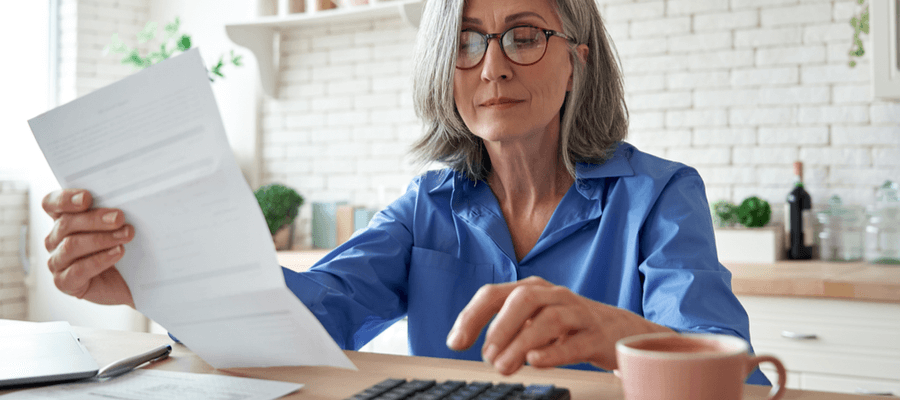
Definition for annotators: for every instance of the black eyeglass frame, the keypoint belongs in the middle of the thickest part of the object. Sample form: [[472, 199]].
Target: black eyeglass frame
[[499, 37]]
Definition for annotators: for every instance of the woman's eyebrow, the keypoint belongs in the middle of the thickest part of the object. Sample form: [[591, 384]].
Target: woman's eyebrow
[[472, 21], [521, 15], [510, 18]]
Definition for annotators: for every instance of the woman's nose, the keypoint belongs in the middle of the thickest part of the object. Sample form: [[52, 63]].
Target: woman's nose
[[495, 65]]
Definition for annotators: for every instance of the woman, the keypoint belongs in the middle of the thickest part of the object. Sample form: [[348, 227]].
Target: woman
[[545, 222]]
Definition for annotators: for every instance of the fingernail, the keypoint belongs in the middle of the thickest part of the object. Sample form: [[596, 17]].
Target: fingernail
[[534, 356], [115, 250], [110, 217], [121, 233], [489, 353], [451, 339], [501, 366], [77, 199]]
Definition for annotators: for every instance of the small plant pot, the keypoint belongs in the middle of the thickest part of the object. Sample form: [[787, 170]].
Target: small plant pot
[[751, 245], [283, 237]]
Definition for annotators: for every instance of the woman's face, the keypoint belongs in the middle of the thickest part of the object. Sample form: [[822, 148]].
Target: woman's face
[[503, 101]]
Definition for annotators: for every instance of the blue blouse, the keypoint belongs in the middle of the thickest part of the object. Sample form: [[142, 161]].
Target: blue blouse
[[634, 232]]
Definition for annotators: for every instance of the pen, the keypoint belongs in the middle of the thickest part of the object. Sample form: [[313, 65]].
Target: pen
[[127, 364]]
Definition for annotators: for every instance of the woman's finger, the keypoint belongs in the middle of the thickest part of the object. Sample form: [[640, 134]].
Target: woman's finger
[[100, 219], [77, 246], [76, 279], [486, 302], [551, 324], [66, 201], [525, 302], [577, 348]]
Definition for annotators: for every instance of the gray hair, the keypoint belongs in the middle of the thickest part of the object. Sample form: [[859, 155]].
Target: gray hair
[[589, 133]]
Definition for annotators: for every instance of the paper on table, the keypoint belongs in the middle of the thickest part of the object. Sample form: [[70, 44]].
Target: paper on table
[[162, 385], [202, 263]]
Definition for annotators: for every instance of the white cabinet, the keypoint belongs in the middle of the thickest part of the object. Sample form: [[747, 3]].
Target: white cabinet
[[829, 345]]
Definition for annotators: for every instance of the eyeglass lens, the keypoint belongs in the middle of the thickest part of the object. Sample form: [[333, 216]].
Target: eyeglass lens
[[522, 45]]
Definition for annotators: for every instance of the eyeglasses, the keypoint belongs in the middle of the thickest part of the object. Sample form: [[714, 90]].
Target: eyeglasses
[[522, 45]]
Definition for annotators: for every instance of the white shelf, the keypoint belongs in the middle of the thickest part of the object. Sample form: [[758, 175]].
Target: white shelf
[[259, 34]]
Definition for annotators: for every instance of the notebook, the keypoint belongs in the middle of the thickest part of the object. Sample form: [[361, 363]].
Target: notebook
[[42, 353]]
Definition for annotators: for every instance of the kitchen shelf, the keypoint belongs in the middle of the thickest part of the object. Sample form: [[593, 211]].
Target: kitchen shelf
[[259, 34]]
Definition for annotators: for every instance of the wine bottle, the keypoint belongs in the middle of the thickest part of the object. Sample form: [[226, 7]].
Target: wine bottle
[[798, 219]]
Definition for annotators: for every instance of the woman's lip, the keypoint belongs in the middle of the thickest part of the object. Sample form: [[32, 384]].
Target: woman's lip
[[500, 101]]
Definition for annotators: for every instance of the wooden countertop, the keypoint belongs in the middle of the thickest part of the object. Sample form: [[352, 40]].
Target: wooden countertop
[[821, 279], [847, 281]]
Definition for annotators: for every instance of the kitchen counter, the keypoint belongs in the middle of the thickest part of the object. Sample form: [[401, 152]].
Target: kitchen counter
[[818, 279]]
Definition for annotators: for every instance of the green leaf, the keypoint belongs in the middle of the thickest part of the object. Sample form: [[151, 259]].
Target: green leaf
[[217, 69], [754, 212], [236, 59], [172, 28], [134, 58], [864, 21], [184, 43], [164, 52], [860, 25], [148, 33], [724, 213], [116, 45]]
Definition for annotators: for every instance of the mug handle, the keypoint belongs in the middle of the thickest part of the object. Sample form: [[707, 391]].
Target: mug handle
[[779, 389]]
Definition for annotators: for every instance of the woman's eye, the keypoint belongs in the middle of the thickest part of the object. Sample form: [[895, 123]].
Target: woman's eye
[[468, 46]]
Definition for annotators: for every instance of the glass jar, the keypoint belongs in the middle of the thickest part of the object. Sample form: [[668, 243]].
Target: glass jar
[[883, 229], [841, 236]]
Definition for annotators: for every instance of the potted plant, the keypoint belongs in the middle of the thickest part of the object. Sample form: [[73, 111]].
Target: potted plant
[[742, 234], [280, 206]]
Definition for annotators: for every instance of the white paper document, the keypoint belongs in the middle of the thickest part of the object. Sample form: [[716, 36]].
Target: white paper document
[[162, 385], [202, 263]]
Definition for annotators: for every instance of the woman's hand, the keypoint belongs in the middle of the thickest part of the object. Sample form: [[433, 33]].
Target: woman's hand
[[84, 245], [545, 325]]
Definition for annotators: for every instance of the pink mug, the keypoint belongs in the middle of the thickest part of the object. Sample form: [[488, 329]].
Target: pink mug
[[671, 366]]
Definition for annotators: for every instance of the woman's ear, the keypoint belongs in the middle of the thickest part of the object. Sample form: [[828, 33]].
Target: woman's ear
[[582, 51]]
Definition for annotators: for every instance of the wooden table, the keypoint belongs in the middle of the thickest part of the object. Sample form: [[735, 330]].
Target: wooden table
[[333, 383]]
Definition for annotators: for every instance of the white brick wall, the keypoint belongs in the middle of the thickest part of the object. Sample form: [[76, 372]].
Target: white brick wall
[[769, 83], [13, 216], [85, 28], [340, 128]]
